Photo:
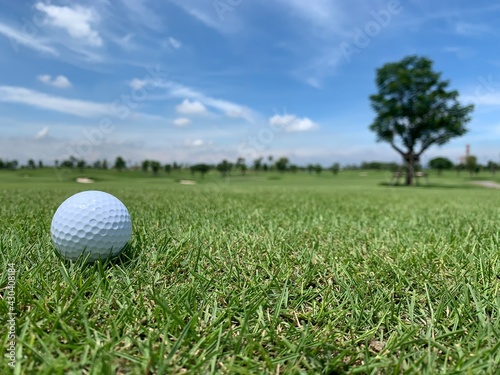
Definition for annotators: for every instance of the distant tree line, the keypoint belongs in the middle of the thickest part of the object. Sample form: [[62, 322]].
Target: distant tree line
[[468, 163], [261, 164], [8, 164]]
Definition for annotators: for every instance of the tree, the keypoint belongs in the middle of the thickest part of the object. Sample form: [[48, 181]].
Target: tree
[[67, 164], [168, 168], [379, 165], [471, 164], [31, 164], [492, 166], [415, 109], [80, 164], [318, 169], [224, 167], [120, 164], [282, 164], [440, 164], [40, 164], [257, 164], [11, 164], [145, 165], [202, 168], [240, 164], [104, 164], [335, 168], [270, 162], [155, 166], [97, 164]]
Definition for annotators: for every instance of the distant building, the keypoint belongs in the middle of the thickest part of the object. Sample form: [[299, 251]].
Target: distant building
[[462, 159]]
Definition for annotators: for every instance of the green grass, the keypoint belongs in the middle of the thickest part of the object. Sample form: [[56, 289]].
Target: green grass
[[289, 274]]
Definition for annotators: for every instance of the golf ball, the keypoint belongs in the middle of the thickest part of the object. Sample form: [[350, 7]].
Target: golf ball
[[91, 222]]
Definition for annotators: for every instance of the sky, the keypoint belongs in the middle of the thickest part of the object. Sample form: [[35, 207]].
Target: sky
[[201, 80]]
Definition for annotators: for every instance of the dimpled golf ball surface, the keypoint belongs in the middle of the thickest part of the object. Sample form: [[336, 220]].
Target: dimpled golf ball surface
[[91, 222]]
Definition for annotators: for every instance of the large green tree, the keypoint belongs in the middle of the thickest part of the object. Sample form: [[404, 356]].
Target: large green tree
[[416, 109]]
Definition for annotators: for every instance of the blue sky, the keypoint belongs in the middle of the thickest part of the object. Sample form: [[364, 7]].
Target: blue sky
[[202, 80]]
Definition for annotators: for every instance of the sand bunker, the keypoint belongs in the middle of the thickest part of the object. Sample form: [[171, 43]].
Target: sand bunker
[[187, 182], [84, 180]]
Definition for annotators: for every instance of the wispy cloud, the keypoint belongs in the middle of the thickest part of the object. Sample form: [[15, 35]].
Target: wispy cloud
[[181, 121], [60, 81], [322, 14], [202, 11], [77, 21], [177, 90], [142, 11], [172, 42], [460, 52], [483, 97], [221, 16], [81, 108], [229, 109], [324, 25], [194, 142], [42, 133], [472, 29], [17, 38]]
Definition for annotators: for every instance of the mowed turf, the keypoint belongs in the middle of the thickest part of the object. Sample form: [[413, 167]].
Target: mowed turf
[[260, 274]]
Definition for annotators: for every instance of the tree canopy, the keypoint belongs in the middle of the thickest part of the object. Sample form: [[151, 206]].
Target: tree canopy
[[440, 163], [120, 163], [416, 109]]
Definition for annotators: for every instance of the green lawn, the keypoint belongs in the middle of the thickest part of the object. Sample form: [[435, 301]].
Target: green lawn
[[259, 274]]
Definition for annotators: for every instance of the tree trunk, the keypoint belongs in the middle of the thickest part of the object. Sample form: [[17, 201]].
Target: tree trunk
[[410, 158], [409, 174]]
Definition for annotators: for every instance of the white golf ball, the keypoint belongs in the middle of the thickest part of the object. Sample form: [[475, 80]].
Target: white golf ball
[[91, 222]]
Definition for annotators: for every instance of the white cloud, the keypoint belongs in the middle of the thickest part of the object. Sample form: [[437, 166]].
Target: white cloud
[[176, 90], [194, 142], [42, 133], [20, 38], [229, 109], [235, 112], [324, 14], [81, 108], [471, 29], [202, 11], [60, 81], [325, 26], [292, 123], [142, 12], [460, 52], [221, 16], [181, 121], [77, 21], [483, 97], [138, 84], [191, 107], [174, 43]]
